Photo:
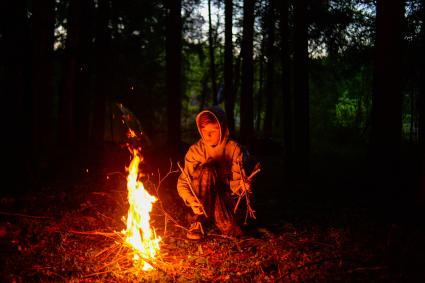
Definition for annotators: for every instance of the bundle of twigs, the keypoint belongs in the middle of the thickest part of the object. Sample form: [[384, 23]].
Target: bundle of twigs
[[246, 190]]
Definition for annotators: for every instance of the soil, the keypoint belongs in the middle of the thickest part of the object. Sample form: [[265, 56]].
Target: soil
[[327, 229]]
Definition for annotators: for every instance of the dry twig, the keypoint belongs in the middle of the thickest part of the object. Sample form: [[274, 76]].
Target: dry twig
[[25, 215], [191, 189]]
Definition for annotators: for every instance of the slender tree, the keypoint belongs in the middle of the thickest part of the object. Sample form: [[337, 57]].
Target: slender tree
[[103, 68], [14, 86], [247, 112], [421, 95], [15, 44], [285, 79], [237, 72], [421, 111], [211, 49], [83, 70], [66, 113], [174, 71], [228, 64], [301, 98], [260, 91], [386, 105], [270, 27], [42, 21], [74, 103], [42, 51]]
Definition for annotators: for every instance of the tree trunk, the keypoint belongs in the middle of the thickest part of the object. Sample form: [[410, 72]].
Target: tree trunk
[[14, 86], [260, 92], [237, 80], [84, 69], [212, 57], [301, 99], [42, 52], [421, 113], [228, 65], [75, 103], [421, 95], [285, 79], [174, 71], [103, 70], [386, 106], [41, 85], [66, 113], [268, 120], [247, 113]]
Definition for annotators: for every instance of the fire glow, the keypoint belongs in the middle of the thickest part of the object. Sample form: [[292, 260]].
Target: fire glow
[[139, 234]]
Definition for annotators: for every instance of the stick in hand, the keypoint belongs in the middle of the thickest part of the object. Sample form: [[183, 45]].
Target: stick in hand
[[191, 189], [245, 191]]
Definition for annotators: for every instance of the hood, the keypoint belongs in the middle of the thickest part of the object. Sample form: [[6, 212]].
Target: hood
[[220, 115]]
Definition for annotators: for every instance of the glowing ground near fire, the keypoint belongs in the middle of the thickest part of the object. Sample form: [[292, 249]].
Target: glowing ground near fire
[[67, 233]]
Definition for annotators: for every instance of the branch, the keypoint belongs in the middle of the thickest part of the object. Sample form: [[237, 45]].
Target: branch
[[25, 215]]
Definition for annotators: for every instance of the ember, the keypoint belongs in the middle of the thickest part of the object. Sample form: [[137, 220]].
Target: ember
[[139, 233]]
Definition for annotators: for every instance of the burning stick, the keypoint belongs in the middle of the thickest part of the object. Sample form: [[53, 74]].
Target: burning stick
[[191, 189]]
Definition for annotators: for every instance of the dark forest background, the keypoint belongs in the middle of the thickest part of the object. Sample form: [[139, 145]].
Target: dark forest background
[[334, 89]]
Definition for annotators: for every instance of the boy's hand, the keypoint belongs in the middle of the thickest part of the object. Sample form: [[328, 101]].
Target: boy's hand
[[244, 186], [196, 207]]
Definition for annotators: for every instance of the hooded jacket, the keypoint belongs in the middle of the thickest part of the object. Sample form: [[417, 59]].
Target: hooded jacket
[[227, 155]]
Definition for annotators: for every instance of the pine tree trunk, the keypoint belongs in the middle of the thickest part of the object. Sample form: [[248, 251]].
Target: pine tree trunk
[[421, 95], [260, 92], [174, 71], [237, 80], [420, 108], [42, 52], [103, 70], [301, 97], [71, 69], [386, 105], [14, 86], [84, 70], [228, 66], [247, 113], [212, 57], [41, 86], [285, 80], [268, 120]]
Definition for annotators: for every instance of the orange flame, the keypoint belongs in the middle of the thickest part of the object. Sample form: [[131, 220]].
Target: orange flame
[[131, 133], [139, 233]]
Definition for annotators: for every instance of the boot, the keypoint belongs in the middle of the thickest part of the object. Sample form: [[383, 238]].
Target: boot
[[195, 231]]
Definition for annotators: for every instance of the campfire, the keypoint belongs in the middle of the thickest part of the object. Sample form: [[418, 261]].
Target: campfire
[[139, 234]]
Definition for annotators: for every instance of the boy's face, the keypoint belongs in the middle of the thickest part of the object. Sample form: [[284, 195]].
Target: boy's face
[[211, 134]]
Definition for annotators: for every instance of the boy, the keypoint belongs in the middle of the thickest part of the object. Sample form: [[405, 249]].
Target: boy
[[212, 172]]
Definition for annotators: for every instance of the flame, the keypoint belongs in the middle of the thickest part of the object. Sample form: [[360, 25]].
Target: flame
[[131, 133], [139, 233]]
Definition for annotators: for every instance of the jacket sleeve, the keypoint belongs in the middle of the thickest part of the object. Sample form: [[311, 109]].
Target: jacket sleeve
[[193, 159], [236, 165]]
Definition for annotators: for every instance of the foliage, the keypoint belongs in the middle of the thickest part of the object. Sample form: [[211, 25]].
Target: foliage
[[345, 111], [340, 102], [337, 30]]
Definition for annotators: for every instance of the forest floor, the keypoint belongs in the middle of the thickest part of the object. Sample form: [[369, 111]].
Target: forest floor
[[70, 231]]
